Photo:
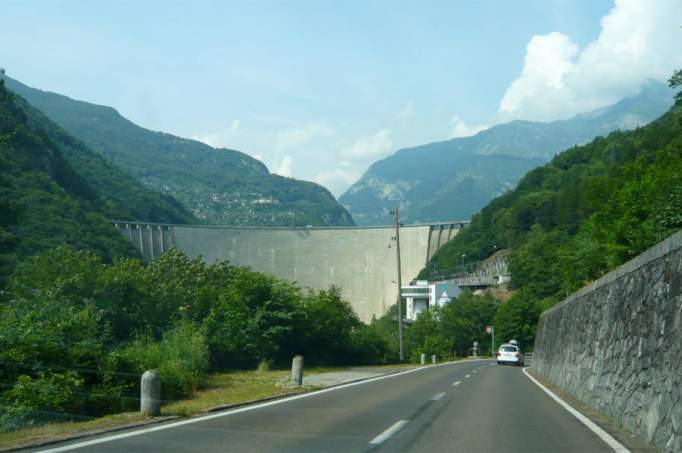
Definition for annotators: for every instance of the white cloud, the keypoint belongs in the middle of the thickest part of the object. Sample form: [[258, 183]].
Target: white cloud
[[284, 168], [369, 147], [295, 138], [338, 180], [462, 129], [406, 113], [235, 126], [639, 40]]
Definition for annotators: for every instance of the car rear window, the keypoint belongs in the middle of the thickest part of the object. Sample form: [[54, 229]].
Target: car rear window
[[508, 349]]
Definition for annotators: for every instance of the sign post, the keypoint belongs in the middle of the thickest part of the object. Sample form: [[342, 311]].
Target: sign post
[[490, 330]]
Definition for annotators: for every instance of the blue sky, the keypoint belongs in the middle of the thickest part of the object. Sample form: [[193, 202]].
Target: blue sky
[[319, 90]]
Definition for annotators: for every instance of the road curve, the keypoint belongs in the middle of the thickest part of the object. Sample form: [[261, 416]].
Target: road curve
[[472, 406]]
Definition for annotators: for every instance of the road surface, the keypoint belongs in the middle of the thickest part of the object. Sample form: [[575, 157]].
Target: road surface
[[473, 406]]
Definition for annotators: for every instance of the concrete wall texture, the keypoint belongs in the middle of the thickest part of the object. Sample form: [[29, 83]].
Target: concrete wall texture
[[357, 260], [617, 345]]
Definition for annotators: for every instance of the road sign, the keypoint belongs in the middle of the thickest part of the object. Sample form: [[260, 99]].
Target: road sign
[[488, 329]]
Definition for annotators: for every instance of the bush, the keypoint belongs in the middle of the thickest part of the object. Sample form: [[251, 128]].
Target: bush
[[67, 313], [180, 358], [37, 399]]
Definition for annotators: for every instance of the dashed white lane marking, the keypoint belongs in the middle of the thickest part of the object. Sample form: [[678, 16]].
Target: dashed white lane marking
[[603, 435], [438, 396], [474, 372], [456, 383], [467, 376], [383, 437]]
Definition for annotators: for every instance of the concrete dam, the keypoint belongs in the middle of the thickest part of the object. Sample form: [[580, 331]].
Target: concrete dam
[[361, 261]]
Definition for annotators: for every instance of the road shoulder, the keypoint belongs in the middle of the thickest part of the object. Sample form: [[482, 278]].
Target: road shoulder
[[619, 434]]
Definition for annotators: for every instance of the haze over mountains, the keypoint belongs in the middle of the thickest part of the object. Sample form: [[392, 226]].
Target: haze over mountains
[[454, 179], [218, 186]]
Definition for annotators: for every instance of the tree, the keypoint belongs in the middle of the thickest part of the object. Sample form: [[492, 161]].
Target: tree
[[675, 82]]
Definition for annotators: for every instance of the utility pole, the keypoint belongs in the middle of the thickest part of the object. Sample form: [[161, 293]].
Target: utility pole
[[400, 283]]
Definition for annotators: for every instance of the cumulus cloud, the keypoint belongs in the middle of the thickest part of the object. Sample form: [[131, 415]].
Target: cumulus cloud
[[639, 40], [462, 129], [284, 168], [297, 137], [369, 147]]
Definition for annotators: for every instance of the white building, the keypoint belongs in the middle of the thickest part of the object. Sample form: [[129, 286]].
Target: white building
[[422, 296]]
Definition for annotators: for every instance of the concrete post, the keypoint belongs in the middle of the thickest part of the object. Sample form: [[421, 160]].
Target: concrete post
[[297, 370], [423, 359], [150, 393], [433, 359]]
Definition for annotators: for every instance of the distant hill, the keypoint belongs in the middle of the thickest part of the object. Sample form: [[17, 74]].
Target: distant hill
[[219, 186], [453, 179], [44, 201]]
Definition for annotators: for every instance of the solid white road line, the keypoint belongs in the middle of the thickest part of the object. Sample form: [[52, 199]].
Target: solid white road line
[[383, 437], [242, 409], [603, 435], [456, 383], [438, 396]]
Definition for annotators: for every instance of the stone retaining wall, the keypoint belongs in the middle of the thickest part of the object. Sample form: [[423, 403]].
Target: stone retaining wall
[[616, 345]]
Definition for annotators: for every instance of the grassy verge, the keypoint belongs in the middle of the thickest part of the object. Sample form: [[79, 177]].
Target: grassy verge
[[56, 431], [231, 388]]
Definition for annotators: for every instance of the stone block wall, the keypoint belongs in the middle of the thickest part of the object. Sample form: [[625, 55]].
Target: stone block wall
[[616, 345]]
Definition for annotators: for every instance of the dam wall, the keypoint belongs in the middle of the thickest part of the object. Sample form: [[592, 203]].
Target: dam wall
[[616, 345], [361, 261]]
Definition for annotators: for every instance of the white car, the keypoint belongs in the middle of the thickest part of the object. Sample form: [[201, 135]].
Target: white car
[[509, 353]]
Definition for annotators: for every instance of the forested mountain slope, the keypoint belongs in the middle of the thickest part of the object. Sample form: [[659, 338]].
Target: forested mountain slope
[[44, 202], [456, 178], [122, 195], [592, 208], [218, 186]]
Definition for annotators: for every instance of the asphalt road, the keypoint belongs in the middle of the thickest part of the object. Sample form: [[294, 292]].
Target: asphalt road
[[461, 407]]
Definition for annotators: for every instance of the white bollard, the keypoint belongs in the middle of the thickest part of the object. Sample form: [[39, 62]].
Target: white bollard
[[433, 359], [423, 359], [150, 393], [297, 370]]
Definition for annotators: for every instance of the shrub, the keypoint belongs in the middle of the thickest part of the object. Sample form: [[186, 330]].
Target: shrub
[[180, 358], [36, 399]]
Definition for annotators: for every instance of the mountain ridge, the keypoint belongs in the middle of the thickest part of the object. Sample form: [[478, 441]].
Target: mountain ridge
[[219, 186], [470, 171]]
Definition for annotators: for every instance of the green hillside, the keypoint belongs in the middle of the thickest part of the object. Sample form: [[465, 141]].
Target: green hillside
[[123, 197], [592, 208], [44, 202], [454, 179], [218, 186]]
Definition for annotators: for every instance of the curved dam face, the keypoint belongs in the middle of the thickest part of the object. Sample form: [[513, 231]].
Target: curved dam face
[[361, 261]]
